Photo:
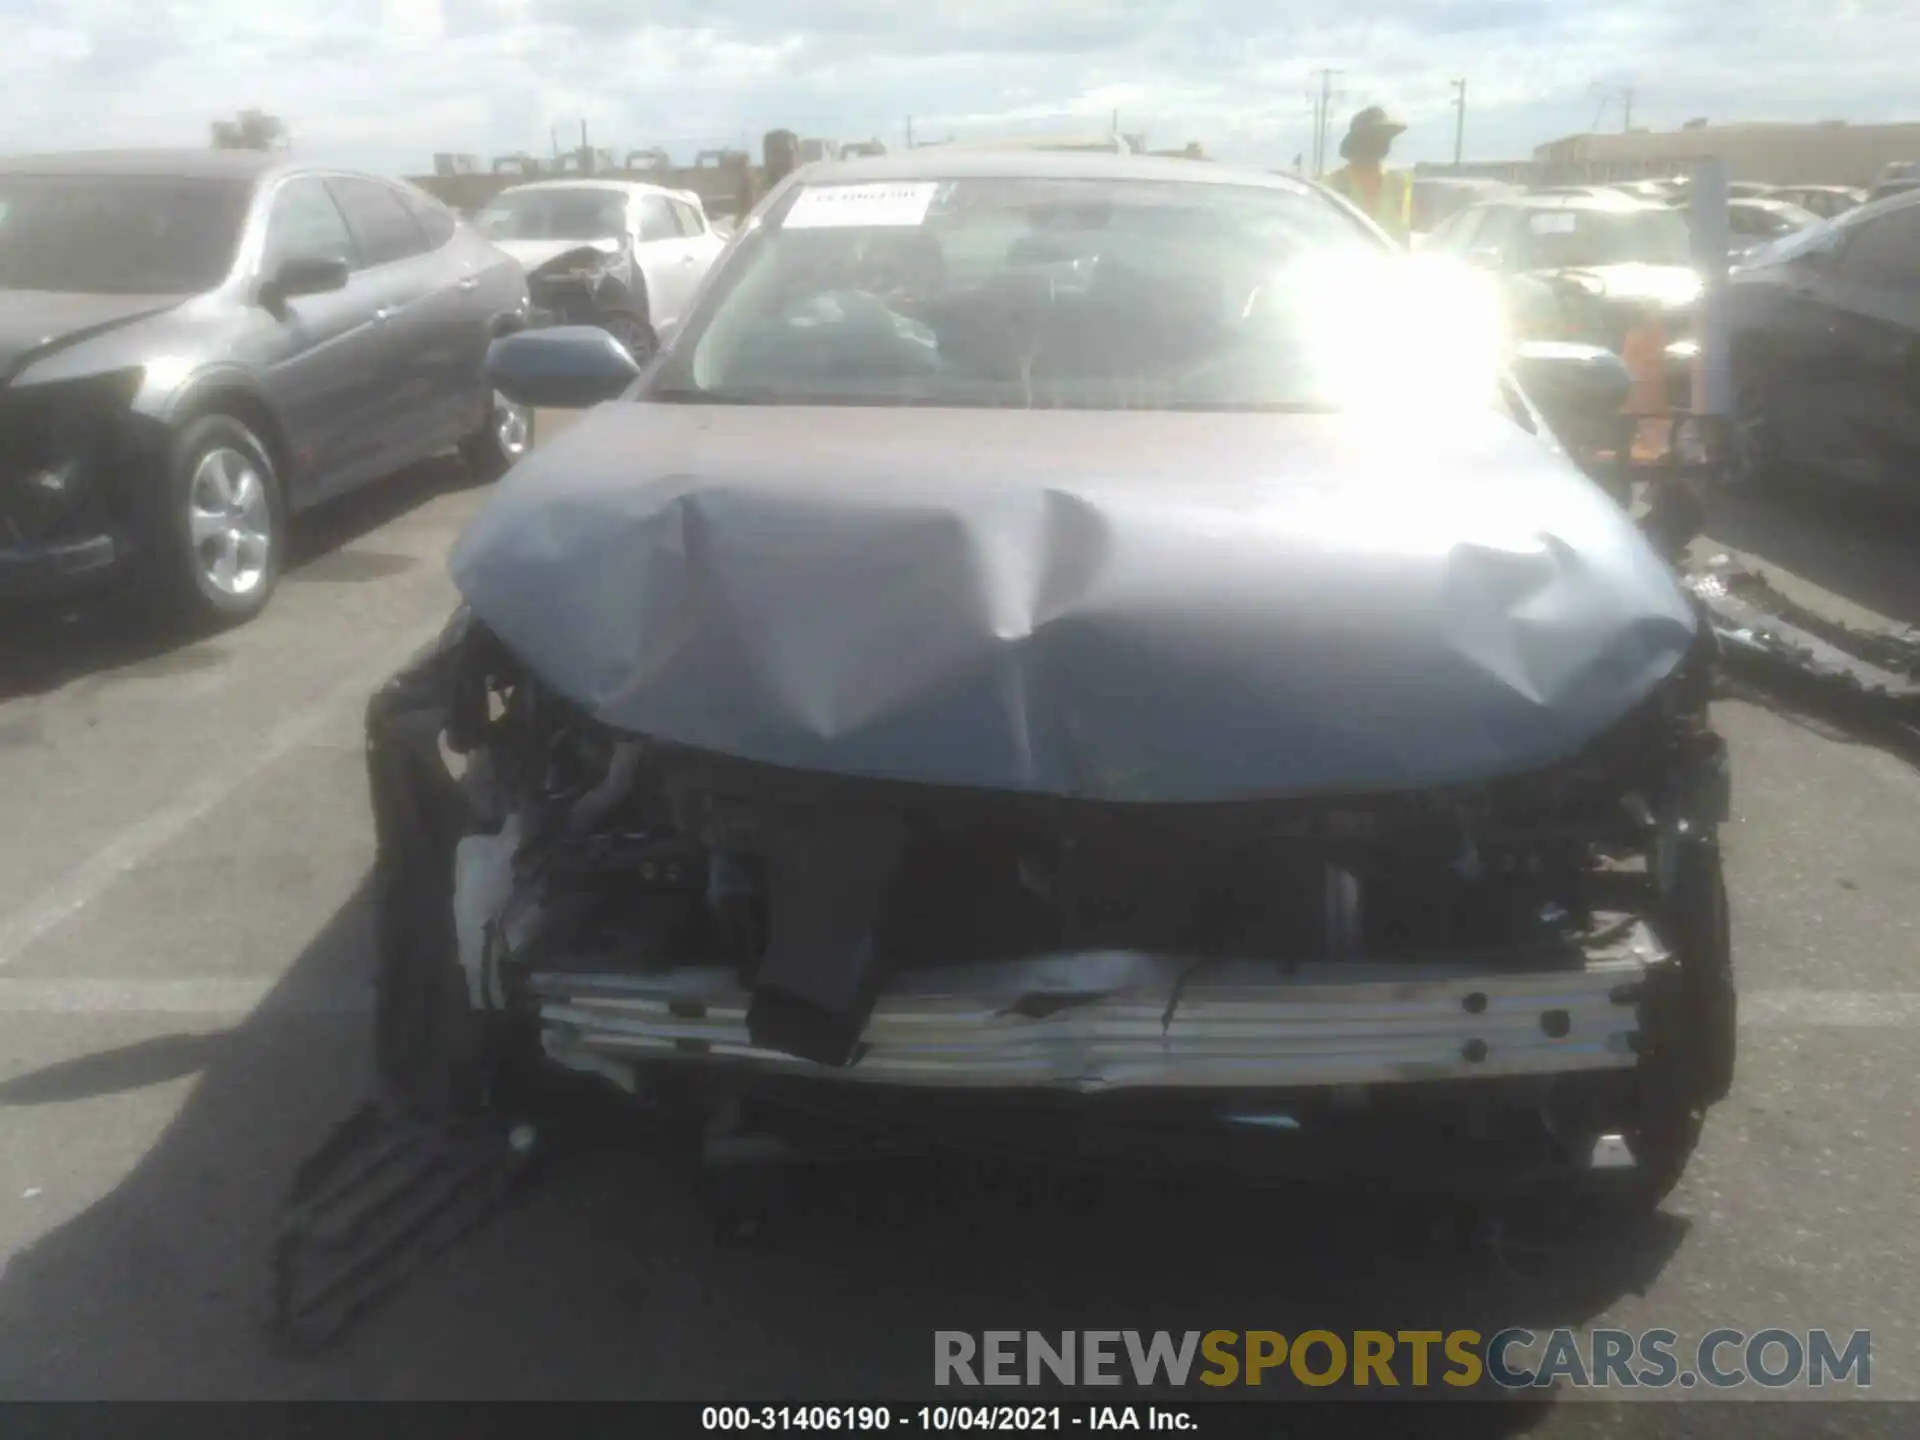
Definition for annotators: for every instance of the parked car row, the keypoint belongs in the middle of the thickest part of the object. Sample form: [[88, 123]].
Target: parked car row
[[621, 255], [1592, 266], [1756, 214], [1826, 351], [197, 346], [1825, 315]]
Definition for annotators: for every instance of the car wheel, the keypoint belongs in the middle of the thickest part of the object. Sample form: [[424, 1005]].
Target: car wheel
[[225, 526], [1753, 448], [1690, 1036], [499, 444]]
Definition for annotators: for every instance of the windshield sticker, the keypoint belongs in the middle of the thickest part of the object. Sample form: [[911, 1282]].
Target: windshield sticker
[[1553, 222], [825, 207]]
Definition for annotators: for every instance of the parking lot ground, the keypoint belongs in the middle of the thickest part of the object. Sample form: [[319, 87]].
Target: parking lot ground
[[184, 971]]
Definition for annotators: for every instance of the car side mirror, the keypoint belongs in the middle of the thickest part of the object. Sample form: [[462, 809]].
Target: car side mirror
[[1484, 258], [563, 367], [307, 275]]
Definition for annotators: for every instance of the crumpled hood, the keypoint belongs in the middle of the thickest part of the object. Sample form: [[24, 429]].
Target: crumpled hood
[[34, 323], [536, 254], [1123, 606]]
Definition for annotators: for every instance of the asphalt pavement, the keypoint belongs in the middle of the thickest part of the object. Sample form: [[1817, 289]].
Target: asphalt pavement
[[184, 1004]]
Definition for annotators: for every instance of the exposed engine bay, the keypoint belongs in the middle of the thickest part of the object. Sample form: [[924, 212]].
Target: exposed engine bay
[[1545, 954], [581, 286]]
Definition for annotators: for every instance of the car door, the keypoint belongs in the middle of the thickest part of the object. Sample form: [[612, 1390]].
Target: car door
[[492, 287], [319, 354], [661, 252], [1874, 348], [398, 275], [453, 327], [703, 244]]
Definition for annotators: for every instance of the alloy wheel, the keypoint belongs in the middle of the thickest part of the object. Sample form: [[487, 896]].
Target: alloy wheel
[[230, 521], [512, 428]]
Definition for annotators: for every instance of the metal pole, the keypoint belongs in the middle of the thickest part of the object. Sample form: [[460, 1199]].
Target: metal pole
[[1320, 142], [1459, 120], [1319, 121], [1712, 367], [1626, 111]]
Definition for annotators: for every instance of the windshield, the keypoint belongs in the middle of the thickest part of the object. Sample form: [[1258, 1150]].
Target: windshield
[[1820, 235], [1076, 293], [118, 234], [1574, 238], [1769, 220], [579, 214]]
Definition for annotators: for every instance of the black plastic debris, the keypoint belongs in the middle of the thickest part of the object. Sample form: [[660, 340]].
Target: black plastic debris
[[1865, 681], [388, 1190]]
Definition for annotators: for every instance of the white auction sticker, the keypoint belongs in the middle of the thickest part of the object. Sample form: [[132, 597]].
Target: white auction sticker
[[822, 207], [1554, 222]]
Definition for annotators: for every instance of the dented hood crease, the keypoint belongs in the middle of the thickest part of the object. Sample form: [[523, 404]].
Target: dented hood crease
[[1121, 606]]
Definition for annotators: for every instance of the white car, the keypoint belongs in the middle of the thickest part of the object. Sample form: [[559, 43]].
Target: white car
[[620, 254]]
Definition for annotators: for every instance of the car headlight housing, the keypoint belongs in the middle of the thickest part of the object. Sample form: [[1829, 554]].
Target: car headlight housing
[[37, 499], [57, 443]]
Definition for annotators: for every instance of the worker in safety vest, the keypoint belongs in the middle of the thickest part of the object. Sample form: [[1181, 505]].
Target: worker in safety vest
[[1385, 195]]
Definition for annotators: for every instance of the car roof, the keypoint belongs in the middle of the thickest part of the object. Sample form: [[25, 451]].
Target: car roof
[[1904, 194], [208, 164], [939, 162], [1582, 200], [594, 182]]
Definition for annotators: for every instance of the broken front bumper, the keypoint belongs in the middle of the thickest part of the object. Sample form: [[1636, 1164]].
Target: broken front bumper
[[1097, 1022]]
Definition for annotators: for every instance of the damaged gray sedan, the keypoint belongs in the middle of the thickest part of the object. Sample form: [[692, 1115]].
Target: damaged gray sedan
[[1029, 669]]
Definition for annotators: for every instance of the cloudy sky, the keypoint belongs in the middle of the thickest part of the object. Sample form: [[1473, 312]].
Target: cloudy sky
[[385, 83]]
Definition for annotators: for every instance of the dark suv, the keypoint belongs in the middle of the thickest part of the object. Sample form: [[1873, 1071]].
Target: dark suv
[[196, 345]]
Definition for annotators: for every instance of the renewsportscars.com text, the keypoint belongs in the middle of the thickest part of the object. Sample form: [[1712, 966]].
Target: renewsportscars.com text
[[1512, 1359]]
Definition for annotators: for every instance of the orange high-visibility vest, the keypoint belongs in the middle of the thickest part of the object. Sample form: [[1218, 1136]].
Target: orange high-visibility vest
[[1644, 352], [1392, 210]]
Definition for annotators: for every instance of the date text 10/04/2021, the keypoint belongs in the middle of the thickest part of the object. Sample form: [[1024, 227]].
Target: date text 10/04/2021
[[873, 1419]]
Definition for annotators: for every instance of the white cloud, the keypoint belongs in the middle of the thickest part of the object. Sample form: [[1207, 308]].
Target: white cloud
[[386, 83]]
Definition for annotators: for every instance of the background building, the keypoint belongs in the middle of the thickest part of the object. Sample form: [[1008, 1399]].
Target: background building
[[1832, 153]]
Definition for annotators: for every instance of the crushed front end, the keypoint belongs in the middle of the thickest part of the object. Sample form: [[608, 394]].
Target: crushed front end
[[584, 286], [73, 512], [1490, 986]]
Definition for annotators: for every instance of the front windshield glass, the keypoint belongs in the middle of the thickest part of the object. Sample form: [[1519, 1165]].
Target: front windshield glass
[[562, 214], [1064, 293], [1571, 238], [118, 234], [1820, 235]]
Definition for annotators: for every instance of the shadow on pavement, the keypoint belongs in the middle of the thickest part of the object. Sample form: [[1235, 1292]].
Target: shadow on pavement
[[113, 1072], [41, 650], [604, 1280], [1860, 547]]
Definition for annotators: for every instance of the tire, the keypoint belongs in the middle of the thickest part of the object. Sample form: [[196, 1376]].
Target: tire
[[501, 442], [1753, 448], [1688, 1063], [223, 531]]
